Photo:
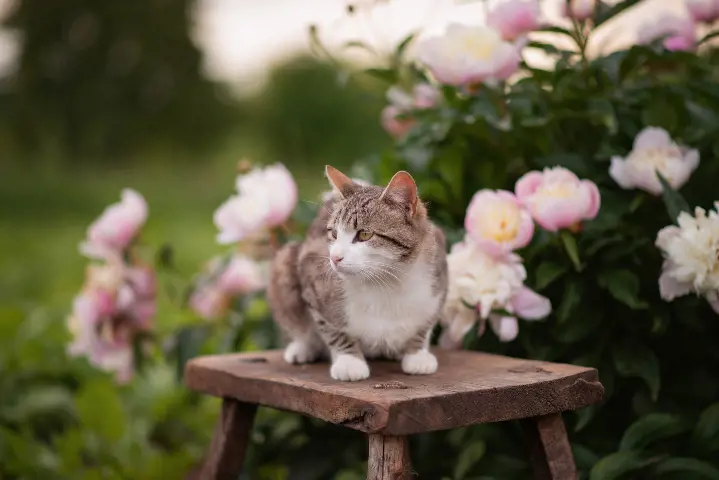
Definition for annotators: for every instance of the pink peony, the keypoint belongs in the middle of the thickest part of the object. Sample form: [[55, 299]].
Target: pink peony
[[423, 96], [242, 275], [468, 55], [209, 302], [577, 9], [705, 11], [119, 224], [497, 222], [267, 196], [557, 199], [679, 32], [514, 18]]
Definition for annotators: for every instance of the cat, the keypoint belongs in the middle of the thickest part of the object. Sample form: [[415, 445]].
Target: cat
[[368, 281]]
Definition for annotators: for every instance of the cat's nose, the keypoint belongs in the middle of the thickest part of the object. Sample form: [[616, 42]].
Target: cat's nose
[[336, 259]]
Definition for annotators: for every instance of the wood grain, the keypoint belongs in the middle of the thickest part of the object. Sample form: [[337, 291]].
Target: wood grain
[[468, 388], [229, 444], [549, 448], [388, 458]]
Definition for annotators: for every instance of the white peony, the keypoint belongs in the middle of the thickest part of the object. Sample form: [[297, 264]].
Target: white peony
[[480, 284], [654, 150], [691, 253], [468, 55]]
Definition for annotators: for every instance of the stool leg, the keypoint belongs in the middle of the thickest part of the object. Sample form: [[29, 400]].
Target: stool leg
[[232, 434], [549, 449], [388, 458]]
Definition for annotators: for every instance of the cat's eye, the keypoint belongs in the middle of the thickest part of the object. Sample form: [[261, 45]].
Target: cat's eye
[[332, 232], [364, 235]]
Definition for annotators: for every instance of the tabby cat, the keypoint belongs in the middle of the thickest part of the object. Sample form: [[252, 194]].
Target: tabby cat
[[368, 281]]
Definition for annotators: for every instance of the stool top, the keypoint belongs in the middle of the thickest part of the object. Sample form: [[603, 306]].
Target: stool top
[[468, 388]]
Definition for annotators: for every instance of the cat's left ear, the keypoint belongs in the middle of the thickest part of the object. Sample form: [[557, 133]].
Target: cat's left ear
[[402, 189]]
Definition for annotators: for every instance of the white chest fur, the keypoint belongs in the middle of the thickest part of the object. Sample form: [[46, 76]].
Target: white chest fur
[[383, 320]]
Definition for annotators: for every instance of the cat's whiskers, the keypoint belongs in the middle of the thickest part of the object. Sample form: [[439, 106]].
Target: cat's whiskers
[[319, 205]]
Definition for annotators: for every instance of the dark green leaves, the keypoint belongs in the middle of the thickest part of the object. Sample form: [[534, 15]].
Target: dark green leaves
[[673, 200], [570, 246], [686, 468], [651, 428], [617, 465], [623, 285], [548, 272], [469, 456], [604, 12], [706, 432], [100, 410], [636, 360]]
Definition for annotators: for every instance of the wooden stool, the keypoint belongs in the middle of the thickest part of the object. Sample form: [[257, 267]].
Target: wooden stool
[[468, 388]]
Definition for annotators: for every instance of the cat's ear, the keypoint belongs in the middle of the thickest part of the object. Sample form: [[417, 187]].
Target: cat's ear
[[403, 189], [341, 183]]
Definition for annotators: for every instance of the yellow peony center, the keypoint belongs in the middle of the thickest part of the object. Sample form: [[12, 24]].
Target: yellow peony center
[[501, 224]]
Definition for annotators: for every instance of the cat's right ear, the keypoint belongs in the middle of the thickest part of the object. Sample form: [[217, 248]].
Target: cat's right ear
[[341, 183]]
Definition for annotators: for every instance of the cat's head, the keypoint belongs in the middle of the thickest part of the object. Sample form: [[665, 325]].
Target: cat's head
[[374, 230]]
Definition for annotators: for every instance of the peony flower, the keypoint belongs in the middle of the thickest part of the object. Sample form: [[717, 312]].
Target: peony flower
[[497, 223], [242, 275], [209, 302], [116, 303], [266, 199], [479, 286], [467, 55], [579, 10], [275, 185], [423, 96], [654, 151], [119, 224], [691, 263], [557, 199], [514, 18], [679, 32], [706, 11]]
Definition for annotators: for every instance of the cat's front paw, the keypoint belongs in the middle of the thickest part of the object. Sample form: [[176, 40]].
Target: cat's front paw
[[419, 363], [300, 352], [349, 368]]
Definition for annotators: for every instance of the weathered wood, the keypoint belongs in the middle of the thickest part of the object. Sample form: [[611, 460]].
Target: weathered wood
[[468, 388], [549, 448], [229, 444], [388, 458]]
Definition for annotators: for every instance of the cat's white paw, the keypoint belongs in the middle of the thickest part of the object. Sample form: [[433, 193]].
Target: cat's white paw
[[419, 363], [300, 352], [349, 368]]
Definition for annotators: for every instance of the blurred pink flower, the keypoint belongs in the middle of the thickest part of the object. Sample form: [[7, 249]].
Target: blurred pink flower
[[706, 11], [469, 55], [267, 196], [400, 102], [497, 223], [242, 275], [654, 151], [679, 32], [209, 302], [514, 18], [119, 224], [557, 199], [578, 9]]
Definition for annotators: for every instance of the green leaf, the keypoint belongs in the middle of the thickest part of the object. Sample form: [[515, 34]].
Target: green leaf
[[602, 110], [650, 428], [548, 272], [572, 161], [100, 410], [636, 360], [708, 37], [584, 457], [687, 465], [605, 12], [572, 295], [404, 44], [570, 246], [661, 113], [385, 74], [706, 432], [560, 30], [673, 200], [623, 285], [616, 465], [469, 456], [189, 342], [584, 417], [165, 257], [573, 329]]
